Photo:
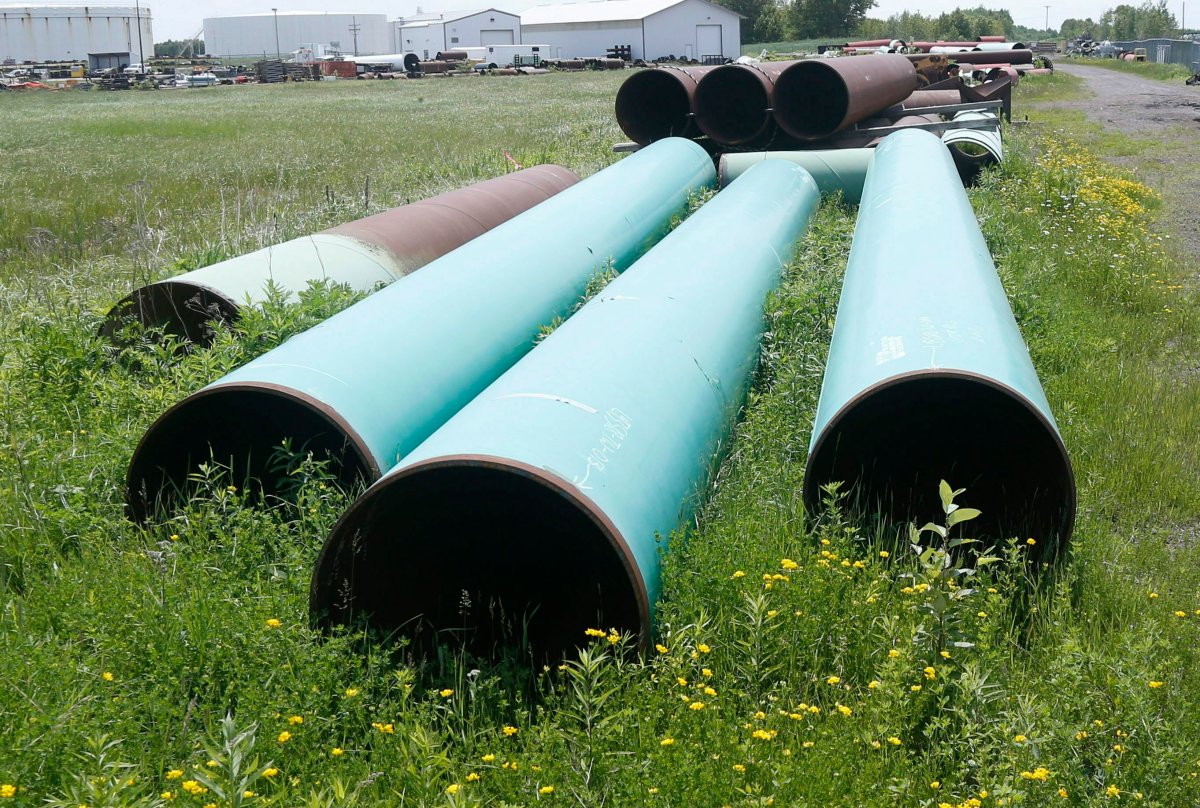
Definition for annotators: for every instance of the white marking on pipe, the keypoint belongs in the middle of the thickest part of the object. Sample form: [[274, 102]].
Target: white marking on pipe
[[552, 397], [890, 348]]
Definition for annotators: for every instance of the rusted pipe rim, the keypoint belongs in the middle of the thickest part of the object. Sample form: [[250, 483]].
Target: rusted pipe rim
[[239, 425], [733, 105], [655, 104], [183, 309], [522, 544], [895, 440]]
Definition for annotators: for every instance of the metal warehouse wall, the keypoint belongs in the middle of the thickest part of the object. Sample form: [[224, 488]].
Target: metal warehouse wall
[[67, 33], [1168, 51], [567, 40], [254, 34], [693, 29], [469, 30]]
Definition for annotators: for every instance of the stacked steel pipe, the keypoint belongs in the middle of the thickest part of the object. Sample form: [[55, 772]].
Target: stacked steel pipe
[[365, 387], [363, 254]]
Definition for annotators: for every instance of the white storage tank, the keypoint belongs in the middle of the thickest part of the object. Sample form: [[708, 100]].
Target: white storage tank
[[101, 36]]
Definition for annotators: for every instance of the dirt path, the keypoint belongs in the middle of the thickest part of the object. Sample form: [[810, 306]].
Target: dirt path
[[1166, 113]]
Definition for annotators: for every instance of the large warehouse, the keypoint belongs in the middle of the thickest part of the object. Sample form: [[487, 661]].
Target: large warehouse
[[427, 34], [692, 29], [102, 36], [271, 33]]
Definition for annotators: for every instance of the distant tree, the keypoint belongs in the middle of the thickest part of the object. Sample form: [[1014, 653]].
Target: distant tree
[[763, 19], [1155, 20], [173, 47], [813, 18], [1073, 28]]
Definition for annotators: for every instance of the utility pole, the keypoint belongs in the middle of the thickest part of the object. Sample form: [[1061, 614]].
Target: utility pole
[[1047, 19], [278, 55], [354, 26], [141, 53]]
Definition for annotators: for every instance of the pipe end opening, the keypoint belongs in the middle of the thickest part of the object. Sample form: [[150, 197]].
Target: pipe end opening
[[733, 105], [893, 444], [653, 105], [239, 430], [184, 310], [811, 100], [482, 554]]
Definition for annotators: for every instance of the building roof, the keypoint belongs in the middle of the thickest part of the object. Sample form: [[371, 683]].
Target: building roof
[[449, 16], [599, 11], [59, 9], [365, 15]]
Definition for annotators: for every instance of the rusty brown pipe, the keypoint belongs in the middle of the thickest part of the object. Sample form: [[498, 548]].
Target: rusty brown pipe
[[733, 103], [933, 98], [361, 254], [816, 98], [452, 56], [1008, 57], [657, 103]]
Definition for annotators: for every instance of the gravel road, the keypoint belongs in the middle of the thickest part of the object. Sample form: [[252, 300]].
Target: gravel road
[[1166, 113]]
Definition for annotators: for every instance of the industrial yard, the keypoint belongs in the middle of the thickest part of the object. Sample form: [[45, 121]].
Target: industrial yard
[[795, 649]]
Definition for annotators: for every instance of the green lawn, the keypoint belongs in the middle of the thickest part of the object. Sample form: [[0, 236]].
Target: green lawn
[[808, 644]]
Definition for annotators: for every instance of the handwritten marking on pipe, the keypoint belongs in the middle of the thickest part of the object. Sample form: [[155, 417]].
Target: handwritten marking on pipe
[[552, 397], [890, 348], [612, 436]]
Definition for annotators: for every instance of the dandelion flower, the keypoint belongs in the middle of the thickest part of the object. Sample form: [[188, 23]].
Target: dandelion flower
[[274, 622], [1031, 542], [509, 731], [8, 791], [284, 736]]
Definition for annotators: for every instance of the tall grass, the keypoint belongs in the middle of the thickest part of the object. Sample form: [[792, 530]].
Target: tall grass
[[798, 661]]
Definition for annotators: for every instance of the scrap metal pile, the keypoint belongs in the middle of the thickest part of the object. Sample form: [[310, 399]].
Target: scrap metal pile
[[827, 104]]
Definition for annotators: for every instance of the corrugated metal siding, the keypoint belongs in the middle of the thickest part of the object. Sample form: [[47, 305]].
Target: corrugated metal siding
[[65, 33], [1184, 52]]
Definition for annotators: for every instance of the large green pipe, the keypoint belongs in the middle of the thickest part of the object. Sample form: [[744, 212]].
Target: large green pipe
[[927, 376], [369, 384], [834, 170], [546, 503], [363, 254]]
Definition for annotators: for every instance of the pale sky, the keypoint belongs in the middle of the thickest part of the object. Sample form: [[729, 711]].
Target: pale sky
[[174, 19]]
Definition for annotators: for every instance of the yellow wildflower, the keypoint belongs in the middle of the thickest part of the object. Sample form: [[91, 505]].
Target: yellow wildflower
[[884, 554], [595, 632], [174, 774], [1031, 542], [944, 654], [1180, 614], [737, 767], [546, 790], [274, 623], [107, 676], [248, 794], [696, 705], [295, 719], [702, 648], [682, 681], [1041, 774], [706, 672], [765, 734], [284, 736], [788, 564], [667, 742], [873, 684], [473, 776], [915, 688], [708, 691], [453, 789], [488, 758], [807, 744], [509, 731], [894, 741], [893, 653], [337, 751], [386, 729], [8, 791], [351, 692], [167, 795], [844, 710], [662, 649], [1112, 791], [833, 680], [1155, 684], [1062, 792], [194, 788], [270, 772], [1020, 739], [446, 693], [930, 673], [935, 785], [738, 574]]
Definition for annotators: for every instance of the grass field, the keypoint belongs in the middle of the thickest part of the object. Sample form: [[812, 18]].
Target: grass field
[[1150, 70], [796, 660]]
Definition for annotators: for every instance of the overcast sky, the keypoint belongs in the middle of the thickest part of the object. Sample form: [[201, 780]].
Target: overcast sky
[[176, 19]]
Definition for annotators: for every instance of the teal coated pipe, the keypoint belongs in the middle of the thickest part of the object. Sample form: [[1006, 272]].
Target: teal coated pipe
[[927, 376], [368, 385], [548, 500], [834, 170], [362, 254]]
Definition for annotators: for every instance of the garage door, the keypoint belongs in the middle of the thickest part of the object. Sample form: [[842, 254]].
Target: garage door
[[496, 37], [708, 40]]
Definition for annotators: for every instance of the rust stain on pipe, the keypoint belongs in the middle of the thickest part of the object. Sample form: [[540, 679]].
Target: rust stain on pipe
[[816, 98], [659, 102]]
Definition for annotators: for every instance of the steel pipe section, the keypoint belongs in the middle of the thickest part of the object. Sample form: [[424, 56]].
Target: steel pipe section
[[927, 376], [658, 103], [733, 104], [974, 149], [363, 254], [368, 385], [816, 98], [991, 57], [834, 170], [549, 500]]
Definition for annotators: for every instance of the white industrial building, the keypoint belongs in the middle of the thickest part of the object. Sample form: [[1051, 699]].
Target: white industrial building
[[691, 29], [101, 36], [283, 32], [428, 34]]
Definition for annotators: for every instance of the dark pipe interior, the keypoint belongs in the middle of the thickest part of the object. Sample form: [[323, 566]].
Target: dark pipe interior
[[811, 100], [652, 105], [895, 443], [732, 105], [239, 428], [183, 310], [534, 565]]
